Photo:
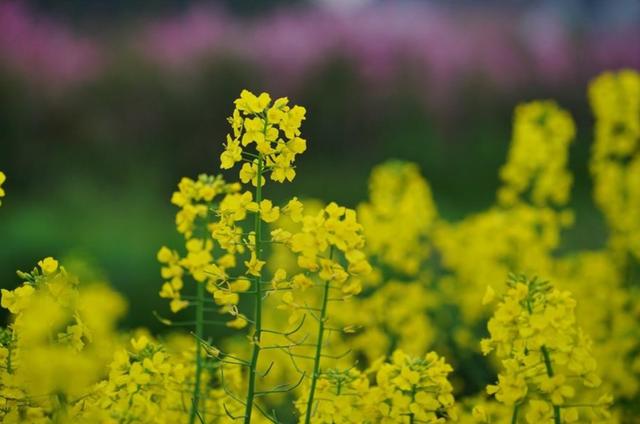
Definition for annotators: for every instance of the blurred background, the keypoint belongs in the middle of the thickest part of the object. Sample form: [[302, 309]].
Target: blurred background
[[105, 105]]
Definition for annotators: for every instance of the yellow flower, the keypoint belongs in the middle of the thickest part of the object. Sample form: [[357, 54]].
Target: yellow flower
[[240, 285], [555, 386], [3, 178], [223, 297], [178, 304], [234, 207], [297, 145], [238, 323], [165, 255], [281, 236], [250, 103], [237, 123], [138, 376], [301, 281], [169, 291], [332, 271], [232, 154], [510, 388], [538, 412], [294, 209], [480, 414], [279, 279], [249, 172], [48, 265], [282, 169], [291, 121], [254, 131], [488, 295], [268, 212], [140, 343], [18, 299], [254, 266]]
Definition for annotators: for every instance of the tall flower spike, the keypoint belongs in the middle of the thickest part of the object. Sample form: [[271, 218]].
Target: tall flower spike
[[265, 139], [538, 155], [328, 244], [615, 161], [200, 203], [399, 217]]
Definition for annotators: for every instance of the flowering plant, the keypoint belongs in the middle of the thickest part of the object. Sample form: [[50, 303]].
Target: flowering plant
[[311, 312]]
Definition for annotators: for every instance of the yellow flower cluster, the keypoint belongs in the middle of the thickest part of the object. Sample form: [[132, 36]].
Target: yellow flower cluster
[[57, 345], [62, 361], [321, 238], [147, 383], [538, 156], [413, 390], [399, 216], [615, 161], [609, 313], [405, 390], [144, 382], [522, 231], [398, 220], [484, 247], [546, 359], [196, 201], [480, 250], [275, 130]]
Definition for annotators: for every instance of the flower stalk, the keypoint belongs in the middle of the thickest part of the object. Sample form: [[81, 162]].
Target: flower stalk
[[199, 335], [514, 417], [547, 363], [258, 300], [318, 353]]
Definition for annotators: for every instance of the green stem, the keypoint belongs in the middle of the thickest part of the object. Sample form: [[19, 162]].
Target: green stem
[[60, 414], [9, 352], [547, 364], [514, 417], [317, 356], [199, 335], [413, 398], [258, 301]]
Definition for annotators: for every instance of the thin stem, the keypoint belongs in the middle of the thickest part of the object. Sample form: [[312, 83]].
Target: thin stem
[[318, 355], [9, 352], [547, 364], [258, 301], [413, 398], [199, 335], [60, 414], [514, 417]]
